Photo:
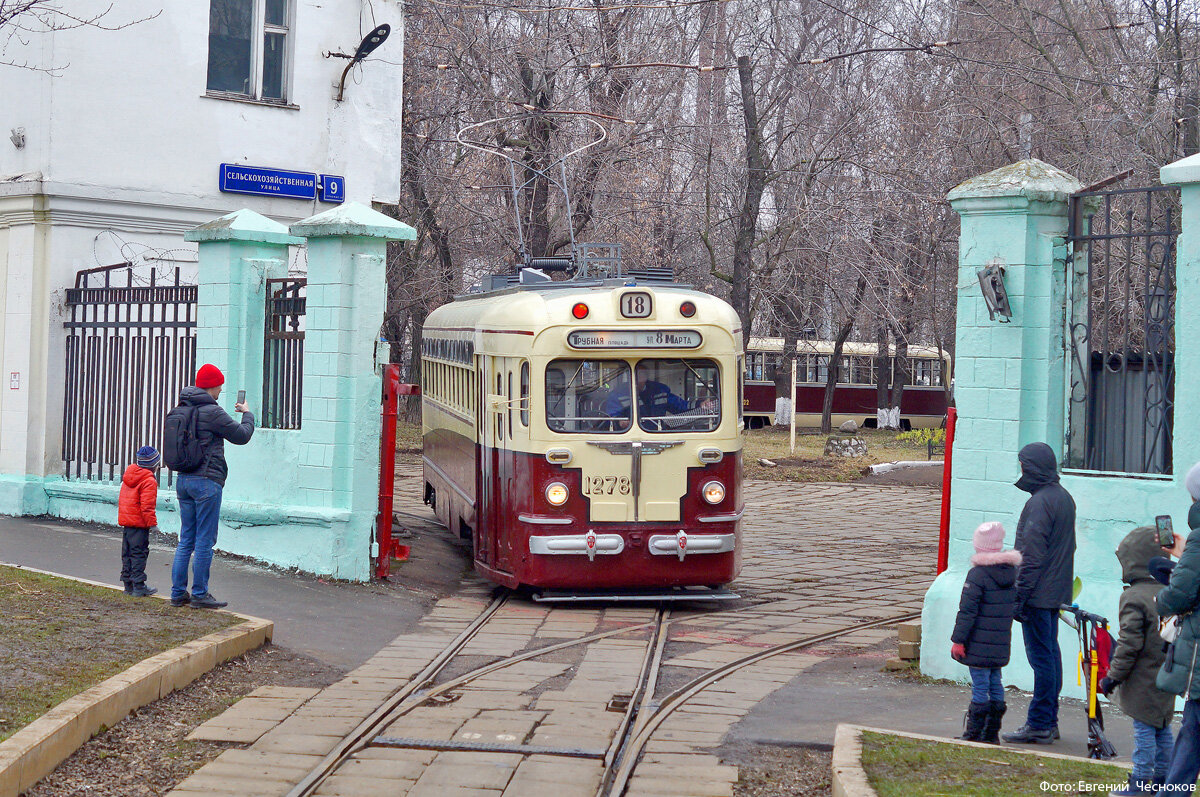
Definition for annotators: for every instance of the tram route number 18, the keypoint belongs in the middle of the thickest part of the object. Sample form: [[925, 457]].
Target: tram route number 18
[[636, 304], [606, 485]]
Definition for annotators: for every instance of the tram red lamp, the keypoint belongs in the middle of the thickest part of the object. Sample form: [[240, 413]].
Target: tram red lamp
[[580, 310], [713, 492], [557, 493], [687, 309]]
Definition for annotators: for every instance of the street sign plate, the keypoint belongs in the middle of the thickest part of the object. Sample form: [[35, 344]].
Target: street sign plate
[[238, 179], [332, 188]]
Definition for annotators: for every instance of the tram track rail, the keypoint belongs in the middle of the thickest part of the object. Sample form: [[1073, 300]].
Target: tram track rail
[[413, 694], [642, 716], [617, 776]]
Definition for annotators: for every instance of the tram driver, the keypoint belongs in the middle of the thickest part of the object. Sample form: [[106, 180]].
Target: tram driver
[[655, 399]]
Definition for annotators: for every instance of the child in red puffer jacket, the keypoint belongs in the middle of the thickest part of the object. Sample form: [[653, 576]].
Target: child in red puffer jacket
[[135, 516]]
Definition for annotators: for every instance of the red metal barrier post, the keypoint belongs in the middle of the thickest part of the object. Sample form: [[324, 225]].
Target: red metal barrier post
[[387, 547], [943, 560]]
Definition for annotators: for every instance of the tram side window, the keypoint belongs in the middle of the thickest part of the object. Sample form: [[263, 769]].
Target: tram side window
[[678, 395], [588, 396], [926, 373], [860, 369], [525, 394]]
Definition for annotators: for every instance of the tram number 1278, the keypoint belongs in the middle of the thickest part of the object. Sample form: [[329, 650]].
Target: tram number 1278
[[606, 485]]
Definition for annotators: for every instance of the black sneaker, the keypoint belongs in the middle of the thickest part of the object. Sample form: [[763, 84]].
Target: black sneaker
[[1027, 735], [1054, 731], [142, 591], [184, 601], [207, 601]]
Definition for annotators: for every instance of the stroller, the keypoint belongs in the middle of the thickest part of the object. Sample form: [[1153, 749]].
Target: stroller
[[1095, 652]]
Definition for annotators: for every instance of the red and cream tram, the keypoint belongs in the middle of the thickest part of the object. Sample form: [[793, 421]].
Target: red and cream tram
[[923, 404], [586, 435]]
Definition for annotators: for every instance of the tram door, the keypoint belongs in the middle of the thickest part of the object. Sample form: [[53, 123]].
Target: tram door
[[495, 547], [485, 502]]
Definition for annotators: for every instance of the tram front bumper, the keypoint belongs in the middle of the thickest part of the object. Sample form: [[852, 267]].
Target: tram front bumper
[[680, 544]]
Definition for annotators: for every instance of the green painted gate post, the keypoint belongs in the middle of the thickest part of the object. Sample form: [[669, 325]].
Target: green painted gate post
[[239, 252], [1186, 432], [338, 459], [1009, 377]]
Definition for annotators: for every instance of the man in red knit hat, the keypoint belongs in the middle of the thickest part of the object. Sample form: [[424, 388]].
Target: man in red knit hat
[[199, 488]]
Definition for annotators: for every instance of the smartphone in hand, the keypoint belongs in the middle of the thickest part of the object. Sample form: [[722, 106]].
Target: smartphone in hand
[[1166, 533], [241, 397]]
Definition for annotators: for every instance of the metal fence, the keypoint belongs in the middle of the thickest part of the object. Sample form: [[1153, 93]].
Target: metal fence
[[1122, 329], [283, 355], [130, 349]]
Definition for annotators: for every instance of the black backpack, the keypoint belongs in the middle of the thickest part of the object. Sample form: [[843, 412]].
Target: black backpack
[[182, 451]]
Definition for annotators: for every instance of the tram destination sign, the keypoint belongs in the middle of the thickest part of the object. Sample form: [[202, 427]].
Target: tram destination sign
[[635, 339]]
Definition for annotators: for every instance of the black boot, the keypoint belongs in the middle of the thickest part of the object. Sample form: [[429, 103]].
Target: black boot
[[128, 587], [142, 591], [976, 715], [991, 724]]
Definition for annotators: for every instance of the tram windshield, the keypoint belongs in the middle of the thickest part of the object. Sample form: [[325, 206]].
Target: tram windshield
[[678, 395], [588, 396]]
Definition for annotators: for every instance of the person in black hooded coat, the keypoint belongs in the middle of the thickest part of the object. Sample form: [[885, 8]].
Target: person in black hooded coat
[[1046, 540], [982, 636]]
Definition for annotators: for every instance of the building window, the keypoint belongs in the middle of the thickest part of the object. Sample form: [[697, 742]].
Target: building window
[[248, 48]]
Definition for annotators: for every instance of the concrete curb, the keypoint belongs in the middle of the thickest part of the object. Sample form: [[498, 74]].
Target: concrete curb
[[34, 751], [850, 780]]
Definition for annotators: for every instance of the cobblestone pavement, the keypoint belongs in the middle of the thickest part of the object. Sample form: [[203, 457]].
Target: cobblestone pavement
[[816, 558]]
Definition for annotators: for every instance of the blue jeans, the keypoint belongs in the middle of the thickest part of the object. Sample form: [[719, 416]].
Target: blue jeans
[[1040, 630], [986, 685], [1185, 763], [1152, 748], [199, 510]]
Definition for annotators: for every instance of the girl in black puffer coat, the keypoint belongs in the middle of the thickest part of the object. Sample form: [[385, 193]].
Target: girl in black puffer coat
[[982, 634]]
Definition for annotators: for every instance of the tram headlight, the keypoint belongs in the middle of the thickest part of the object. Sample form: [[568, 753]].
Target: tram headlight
[[713, 492], [557, 493]]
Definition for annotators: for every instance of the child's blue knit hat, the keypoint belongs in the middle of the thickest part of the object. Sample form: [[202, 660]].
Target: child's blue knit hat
[[148, 456]]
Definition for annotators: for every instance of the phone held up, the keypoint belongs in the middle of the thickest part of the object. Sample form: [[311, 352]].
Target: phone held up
[[1166, 534], [242, 400]]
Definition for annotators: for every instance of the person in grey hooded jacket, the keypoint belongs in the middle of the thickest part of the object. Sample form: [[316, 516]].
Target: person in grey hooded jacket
[[1181, 596], [1046, 540]]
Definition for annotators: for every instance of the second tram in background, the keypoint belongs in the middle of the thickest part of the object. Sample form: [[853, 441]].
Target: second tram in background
[[585, 434], [923, 404]]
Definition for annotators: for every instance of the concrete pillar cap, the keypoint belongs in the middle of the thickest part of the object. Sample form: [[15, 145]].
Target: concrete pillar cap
[[1032, 180], [353, 220], [1185, 170], [243, 225]]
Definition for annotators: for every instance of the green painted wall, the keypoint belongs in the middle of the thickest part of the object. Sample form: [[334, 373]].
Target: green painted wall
[[1010, 390], [306, 498]]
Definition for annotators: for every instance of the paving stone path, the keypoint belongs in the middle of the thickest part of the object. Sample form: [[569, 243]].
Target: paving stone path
[[817, 557]]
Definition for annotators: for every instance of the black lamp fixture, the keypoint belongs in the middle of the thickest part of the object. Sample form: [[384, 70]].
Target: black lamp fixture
[[367, 46], [991, 281]]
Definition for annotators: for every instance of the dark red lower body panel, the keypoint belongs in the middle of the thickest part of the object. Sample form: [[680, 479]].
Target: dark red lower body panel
[[509, 484]]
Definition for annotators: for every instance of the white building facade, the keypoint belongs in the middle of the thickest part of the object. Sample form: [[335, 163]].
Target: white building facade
[[120, 137]]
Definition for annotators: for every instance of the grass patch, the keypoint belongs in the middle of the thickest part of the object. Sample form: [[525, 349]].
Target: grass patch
[[809, 463], [898, 766], [58, 637]]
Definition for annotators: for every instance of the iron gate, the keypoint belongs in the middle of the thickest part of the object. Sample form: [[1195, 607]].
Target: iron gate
[[130, 349], [1122, 329], [283, 353]]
